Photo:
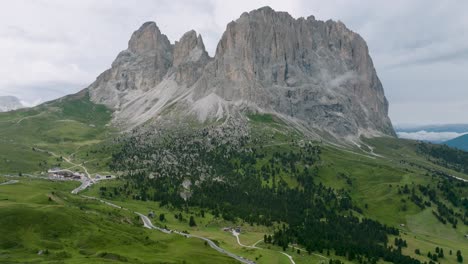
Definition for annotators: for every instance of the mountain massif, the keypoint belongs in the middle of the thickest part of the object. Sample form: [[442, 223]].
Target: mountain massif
[[316, 76], [277, 149]]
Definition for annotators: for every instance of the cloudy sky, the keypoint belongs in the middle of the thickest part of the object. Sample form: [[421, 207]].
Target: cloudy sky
[[49, 48]]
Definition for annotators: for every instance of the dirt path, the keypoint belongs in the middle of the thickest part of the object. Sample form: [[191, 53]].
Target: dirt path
[[67, 160], [234, 233]]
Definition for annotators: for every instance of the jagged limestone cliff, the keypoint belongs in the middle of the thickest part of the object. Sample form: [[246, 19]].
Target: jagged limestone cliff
[[314, 74]]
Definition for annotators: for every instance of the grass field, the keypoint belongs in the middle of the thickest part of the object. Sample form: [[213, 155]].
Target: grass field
[[372, 174], [70, 229], [374, 182], [77, 230], [40, 215], [71, 126], [212, 228]]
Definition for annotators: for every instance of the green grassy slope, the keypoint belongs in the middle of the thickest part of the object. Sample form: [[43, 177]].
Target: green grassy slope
[[70, 229], [82, 231], [460, 142], [212, 227], [374, 174], [71, 126], [373, 184]]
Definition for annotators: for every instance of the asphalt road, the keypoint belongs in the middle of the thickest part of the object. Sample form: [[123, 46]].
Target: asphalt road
[[85, 183], [148, 224]]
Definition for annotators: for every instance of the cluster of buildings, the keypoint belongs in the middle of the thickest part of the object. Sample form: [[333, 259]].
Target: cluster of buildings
[[232, 229], [58, 173]]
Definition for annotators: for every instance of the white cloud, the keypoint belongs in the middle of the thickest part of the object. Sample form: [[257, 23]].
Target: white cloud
[[435, 137], [31, 103]]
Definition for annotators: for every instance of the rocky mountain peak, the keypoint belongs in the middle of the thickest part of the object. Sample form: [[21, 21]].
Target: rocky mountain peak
[[136, 70], [148, 38], [190, 59], [190, 47], [313, 74]]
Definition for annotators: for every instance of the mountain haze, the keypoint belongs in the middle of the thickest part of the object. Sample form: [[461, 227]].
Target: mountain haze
[[9, 103], [316, 76]]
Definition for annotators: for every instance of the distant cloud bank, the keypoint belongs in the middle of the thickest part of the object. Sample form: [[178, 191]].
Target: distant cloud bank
[[435, 137]]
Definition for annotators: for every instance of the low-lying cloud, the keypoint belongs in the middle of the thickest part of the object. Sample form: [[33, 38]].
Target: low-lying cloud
[[435, 137]]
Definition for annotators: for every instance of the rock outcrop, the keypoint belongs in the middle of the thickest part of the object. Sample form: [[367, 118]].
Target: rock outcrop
[[136, 70], [315, 74]]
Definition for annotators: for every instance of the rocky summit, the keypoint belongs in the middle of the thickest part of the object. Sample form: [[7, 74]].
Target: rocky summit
[[317, 76]]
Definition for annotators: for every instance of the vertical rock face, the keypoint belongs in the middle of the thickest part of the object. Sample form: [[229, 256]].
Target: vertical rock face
[[314, 73], [190, 58]]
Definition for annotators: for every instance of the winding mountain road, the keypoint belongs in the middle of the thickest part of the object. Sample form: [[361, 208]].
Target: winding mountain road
[[234, 233], [85, 183], [148, 224]]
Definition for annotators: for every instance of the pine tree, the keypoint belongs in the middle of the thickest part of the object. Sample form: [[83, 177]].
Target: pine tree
[[441, 253], [192, 221], [459, 256]]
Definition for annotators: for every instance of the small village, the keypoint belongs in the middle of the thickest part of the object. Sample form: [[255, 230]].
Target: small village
[[66, 174], [86, 181]]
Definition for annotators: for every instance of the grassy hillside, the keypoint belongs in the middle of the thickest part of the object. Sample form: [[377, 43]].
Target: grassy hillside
[[272, 181], [373, 182], [377, 183], [40, 215], [72, 127], [460, 142], [402, 184]]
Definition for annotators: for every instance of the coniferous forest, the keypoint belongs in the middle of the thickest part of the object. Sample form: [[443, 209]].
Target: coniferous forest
[[270, 186]]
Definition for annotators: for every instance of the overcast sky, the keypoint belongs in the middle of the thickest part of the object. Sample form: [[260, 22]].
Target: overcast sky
[[420, 48]]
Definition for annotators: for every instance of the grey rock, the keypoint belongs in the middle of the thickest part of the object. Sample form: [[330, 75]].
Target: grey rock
[[190, 58], [313, 74], [136, 70]]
